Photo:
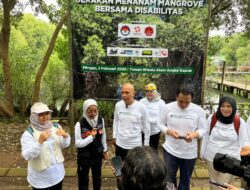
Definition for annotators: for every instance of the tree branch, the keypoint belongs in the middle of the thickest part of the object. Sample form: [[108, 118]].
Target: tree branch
[[46, 58]]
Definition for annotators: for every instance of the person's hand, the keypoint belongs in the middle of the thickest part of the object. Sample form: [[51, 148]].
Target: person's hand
[[229, 187], [105, 155], [245, 151], [113, 171], [94, 132], [62, 133], [44, 136], [191, 135], [114, 141], [173, 133]]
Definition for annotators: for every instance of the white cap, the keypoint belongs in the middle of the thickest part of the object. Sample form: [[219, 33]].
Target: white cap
[[39, 107]]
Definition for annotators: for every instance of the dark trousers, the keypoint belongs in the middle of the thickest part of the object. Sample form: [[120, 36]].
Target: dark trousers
[[55, 187], [186, 167], [95, 163], [119, 151], [153, 141]]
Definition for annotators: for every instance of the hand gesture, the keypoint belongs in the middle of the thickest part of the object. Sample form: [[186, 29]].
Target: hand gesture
[[229, 187], [61, 132], [173, 133], [191, 135], [106, 155], [44, 136], [94, 132], [245, 151]]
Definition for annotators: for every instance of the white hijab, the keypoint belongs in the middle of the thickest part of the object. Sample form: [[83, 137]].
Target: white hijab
[[86, 104], [156, 96]]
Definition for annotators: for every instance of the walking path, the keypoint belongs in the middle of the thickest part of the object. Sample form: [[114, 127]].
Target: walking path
[[15, 179]]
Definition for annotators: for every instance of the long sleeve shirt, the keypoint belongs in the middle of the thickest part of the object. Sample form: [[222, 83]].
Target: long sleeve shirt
[[80, 142], [190, 119], [128, 124], [153, 110]]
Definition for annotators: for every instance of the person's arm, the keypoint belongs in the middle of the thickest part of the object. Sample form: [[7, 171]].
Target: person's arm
[[115, 124], [230, 187], [65, 137], [79, 141], [104, 142], [146, 127], [30, 147], [242, 133], [202, 127], [247, 134], [162, 122]]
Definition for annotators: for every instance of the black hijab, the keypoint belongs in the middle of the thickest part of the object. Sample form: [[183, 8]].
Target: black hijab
[[220, 117]]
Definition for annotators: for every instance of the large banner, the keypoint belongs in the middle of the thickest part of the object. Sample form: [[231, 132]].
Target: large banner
[[137, 41]]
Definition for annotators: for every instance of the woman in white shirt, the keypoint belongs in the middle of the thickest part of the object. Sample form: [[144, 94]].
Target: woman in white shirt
[[225, 136], [153, 103], [42, 145]]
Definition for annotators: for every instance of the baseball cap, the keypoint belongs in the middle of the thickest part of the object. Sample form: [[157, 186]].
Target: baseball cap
[[39, 107], [151, 87]]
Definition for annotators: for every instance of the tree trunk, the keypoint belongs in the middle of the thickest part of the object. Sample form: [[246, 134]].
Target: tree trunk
[[44, 64], [4, 50]]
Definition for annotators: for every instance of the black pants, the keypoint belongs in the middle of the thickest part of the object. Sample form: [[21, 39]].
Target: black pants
[[95, 163], [55, 187], [153, 141], [119, 151]]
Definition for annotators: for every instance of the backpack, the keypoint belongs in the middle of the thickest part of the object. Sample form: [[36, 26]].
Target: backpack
[[236, 123], [31, 131]]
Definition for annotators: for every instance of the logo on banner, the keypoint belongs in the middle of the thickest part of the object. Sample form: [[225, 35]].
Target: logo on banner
[[163, 53], [125, 30], [149, 31], [113, 51], [147, 52], [127, 52], [137, 29]]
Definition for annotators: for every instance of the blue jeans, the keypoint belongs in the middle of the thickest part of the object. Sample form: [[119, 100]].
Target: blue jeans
[[186, 169]]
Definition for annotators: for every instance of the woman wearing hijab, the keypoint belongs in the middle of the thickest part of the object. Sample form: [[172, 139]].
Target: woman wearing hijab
[[42, 145], [154, 104], [225, 136], [90, 140]]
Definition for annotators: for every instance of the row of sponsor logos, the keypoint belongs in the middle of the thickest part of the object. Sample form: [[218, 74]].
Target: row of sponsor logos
[[136, 69], [137, 52]]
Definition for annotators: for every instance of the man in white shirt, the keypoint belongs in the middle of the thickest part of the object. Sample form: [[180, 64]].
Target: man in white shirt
[[130, 120], [183, 123]]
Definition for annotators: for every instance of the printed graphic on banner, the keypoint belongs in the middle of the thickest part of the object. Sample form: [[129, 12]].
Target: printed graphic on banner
[[137, 52], [136, 30]]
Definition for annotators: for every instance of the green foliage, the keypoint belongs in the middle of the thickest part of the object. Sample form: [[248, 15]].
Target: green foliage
[[22, 67], [243, 55], [229, 50], [215, 44], [28, 44], [55, 85], [244, 110], [93, 51], [226, 13]]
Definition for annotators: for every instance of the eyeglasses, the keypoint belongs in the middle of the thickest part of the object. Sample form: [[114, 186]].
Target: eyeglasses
[[148, 91], [44, 113]]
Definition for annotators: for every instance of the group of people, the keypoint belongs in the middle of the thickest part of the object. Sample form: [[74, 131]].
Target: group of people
[[136, 125]]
